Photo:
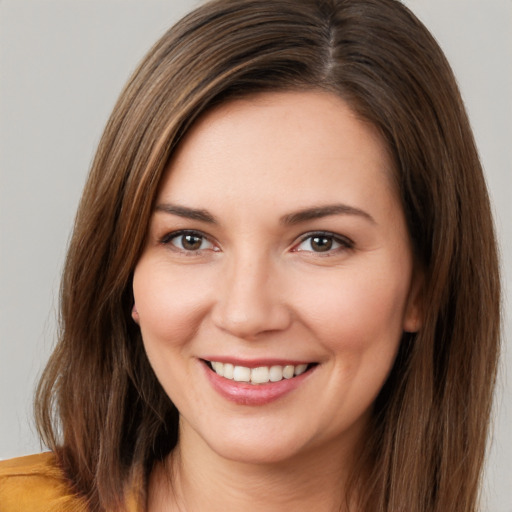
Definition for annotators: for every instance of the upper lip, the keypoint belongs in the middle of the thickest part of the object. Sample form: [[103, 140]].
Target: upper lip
[[256, 363]]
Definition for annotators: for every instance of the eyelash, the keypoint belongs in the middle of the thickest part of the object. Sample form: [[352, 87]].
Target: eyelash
[[168, 238], [343, 242]]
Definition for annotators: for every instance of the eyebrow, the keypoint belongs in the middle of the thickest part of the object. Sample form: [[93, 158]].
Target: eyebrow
[[324, 211], [298, 217], [187, 213]]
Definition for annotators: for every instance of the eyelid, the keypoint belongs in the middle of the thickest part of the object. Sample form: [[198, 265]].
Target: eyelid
[[343, 241], [168, 237]]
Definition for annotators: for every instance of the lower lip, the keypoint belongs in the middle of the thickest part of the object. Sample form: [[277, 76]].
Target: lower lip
[[243, 393]]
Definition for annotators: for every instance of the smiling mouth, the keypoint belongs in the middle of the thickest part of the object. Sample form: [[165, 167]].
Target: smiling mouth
[[258, 375]]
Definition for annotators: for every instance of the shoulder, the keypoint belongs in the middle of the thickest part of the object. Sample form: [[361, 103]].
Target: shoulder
[[36, 484]]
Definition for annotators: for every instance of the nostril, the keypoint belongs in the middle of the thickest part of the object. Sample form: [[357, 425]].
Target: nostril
[[251, 323]]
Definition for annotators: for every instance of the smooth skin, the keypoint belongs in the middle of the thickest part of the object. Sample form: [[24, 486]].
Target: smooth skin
[[277, 233]]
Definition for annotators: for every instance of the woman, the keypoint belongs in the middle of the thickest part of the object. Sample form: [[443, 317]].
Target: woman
[[282, 287]]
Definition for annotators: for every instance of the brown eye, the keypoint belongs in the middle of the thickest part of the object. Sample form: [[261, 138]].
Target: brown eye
[[188, 241], [191, 242], [321, 243]]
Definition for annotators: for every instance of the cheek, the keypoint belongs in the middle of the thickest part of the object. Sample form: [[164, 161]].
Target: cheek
[[169, 304], [356, 311], [357, 318]]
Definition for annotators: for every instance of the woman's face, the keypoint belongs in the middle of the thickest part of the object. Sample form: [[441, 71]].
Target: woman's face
[[278, 246]]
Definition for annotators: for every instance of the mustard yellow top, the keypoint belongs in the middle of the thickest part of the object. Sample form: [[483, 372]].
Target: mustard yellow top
[[36, 484]]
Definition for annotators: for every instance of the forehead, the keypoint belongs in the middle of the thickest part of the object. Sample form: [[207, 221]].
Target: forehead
[[304, 143]]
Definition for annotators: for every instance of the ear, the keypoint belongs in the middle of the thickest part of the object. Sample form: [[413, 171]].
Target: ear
[[135, 314], [414, 310]]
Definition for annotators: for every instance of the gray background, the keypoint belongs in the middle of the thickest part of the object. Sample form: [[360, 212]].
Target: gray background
[[62, 65]]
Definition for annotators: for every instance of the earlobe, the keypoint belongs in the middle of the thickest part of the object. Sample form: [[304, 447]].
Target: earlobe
[[413, 322], [413, 318], [135, 314]]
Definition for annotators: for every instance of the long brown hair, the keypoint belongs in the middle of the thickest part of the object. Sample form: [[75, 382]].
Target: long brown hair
[[99, 405]]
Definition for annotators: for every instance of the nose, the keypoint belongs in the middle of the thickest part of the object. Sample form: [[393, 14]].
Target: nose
[[251, 300]]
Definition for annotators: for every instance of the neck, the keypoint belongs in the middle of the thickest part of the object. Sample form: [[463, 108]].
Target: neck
[[196, 479]]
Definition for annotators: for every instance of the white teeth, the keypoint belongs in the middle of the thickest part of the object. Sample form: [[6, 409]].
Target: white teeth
[[260, 375], [276, 373], [241, 374], [288, 371], [228, 370], [300, 368], [218, 367]]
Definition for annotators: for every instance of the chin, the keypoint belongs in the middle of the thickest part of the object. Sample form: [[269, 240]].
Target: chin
[[261, 444], [263, 453]]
